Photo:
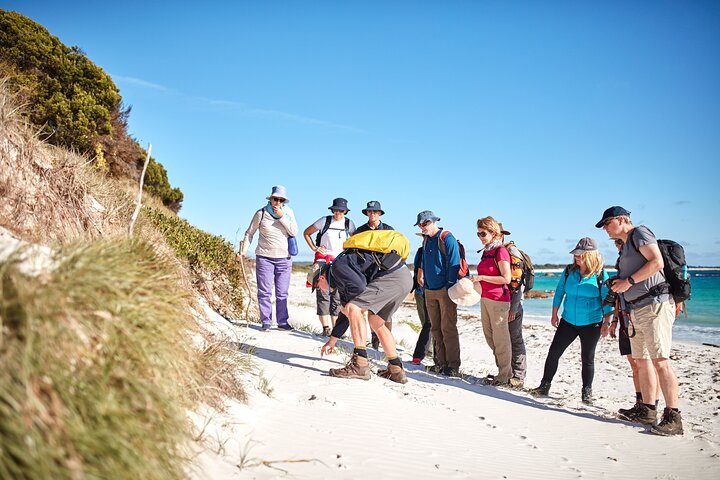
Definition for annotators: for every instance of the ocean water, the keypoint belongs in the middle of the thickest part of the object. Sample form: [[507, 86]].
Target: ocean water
[[702, 324]]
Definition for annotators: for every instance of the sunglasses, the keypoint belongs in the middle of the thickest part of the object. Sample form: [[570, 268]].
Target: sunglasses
[[607, 222], [482, 234], [425, 223], [277, 199]]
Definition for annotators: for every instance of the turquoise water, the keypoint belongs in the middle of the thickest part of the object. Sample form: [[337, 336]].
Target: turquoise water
[[702, 324]]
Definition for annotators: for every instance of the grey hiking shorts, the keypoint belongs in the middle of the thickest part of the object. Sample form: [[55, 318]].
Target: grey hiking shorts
[[384, 295]]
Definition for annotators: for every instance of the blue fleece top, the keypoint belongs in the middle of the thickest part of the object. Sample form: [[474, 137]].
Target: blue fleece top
[[582, 304], [440, 272]]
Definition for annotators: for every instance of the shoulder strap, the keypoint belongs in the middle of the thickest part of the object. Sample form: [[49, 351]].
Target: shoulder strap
[[324, 229], [347, 226]]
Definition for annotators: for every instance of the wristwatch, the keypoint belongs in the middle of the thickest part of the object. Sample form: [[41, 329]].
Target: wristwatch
[[630, 279]]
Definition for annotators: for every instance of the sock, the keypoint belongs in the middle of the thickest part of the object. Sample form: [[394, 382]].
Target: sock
[[360, 351], [651, 407], [395, 361], [638, 397]]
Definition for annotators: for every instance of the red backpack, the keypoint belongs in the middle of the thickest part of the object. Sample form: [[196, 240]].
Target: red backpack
[[464, 268]]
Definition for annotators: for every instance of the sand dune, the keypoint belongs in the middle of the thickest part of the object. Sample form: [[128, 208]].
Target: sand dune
[[301, 423]]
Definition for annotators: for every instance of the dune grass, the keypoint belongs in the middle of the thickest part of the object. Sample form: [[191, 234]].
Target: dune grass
[[97, 367]]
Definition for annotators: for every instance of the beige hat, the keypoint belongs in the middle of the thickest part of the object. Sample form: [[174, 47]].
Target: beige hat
[[464, 293]]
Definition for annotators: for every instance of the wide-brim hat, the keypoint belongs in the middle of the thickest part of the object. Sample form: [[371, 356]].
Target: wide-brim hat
[[424, 216], [586, 244], [464, 293], [612, 212], [339, 204], [279, 191], [373, 206]]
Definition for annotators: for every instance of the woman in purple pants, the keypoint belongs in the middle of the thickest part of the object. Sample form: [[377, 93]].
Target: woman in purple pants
[[273, 263]]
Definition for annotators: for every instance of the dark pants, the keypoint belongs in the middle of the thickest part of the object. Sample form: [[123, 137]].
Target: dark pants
[[423, 345], [564, 336], [519, 358]]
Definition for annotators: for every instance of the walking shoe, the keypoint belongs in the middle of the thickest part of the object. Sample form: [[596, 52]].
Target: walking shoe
[[375, 341], [394, 373], [286, 327], [451, 372], [326, 332], [671, 424], [434, 369], [587, 396], [517, 383], [357, 367], [416, 361], [542, 391], [642, 414], [265, 328]]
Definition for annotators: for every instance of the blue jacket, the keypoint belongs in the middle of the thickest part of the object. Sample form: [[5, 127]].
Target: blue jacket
[[583, 302], [439, 271]]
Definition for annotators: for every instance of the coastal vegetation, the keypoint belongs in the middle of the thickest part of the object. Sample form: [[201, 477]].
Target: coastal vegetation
[[74, 104], [102, 356]]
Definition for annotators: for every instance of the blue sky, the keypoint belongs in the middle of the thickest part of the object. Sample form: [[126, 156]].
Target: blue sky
[[541, 114]]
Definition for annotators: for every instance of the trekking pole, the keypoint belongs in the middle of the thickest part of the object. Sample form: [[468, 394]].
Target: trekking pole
[[248, 289]]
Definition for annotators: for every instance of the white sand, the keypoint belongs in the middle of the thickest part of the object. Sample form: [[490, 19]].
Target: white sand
[[301, 423]]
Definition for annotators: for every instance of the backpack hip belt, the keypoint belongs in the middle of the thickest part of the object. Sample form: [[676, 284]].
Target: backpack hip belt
[[656, 291]]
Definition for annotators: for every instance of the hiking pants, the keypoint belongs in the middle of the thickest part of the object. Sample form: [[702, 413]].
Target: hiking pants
[[267, 271], [519, 359], [564, 336], [424, 341], [443, 326], [494, 317]]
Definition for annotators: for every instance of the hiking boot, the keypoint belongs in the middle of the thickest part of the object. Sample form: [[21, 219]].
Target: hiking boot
[[394, 373], [671, 424], [375, 342], [357, 367], [434, 369], [587, 396], [542, 391], [451, 372], [641, 414], [416, 361], [496, 382], [326, 332], [628, 413], [517, 383]]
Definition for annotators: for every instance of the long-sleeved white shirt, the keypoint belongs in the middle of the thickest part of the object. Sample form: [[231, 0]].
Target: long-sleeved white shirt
[[272, 241]]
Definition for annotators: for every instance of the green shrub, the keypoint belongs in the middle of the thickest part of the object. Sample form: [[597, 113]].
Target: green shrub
[[209, 256], [74, 103], [97, 367]]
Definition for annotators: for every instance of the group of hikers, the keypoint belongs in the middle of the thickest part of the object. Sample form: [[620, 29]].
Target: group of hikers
[[352, 281]]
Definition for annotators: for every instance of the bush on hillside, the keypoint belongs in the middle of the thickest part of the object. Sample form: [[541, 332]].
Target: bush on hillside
[[211, 258], [72, 101]]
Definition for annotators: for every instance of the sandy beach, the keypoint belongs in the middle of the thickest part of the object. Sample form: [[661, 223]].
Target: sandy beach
[[301, 423]]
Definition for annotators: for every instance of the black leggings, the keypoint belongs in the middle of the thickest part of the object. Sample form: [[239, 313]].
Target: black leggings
[[564, 336]]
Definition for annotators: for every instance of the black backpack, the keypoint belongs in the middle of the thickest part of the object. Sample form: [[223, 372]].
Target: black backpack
[[326, 227], [675, 269]]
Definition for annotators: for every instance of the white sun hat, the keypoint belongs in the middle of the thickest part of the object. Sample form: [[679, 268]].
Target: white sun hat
[[464, 293]]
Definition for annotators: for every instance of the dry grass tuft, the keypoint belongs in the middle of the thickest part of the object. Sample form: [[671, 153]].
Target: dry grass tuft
[[50, 194]]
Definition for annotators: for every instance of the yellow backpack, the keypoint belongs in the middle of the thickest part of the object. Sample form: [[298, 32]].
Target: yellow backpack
[[383, 241]]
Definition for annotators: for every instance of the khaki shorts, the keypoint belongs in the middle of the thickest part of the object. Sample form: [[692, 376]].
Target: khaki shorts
[[653, 330]]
